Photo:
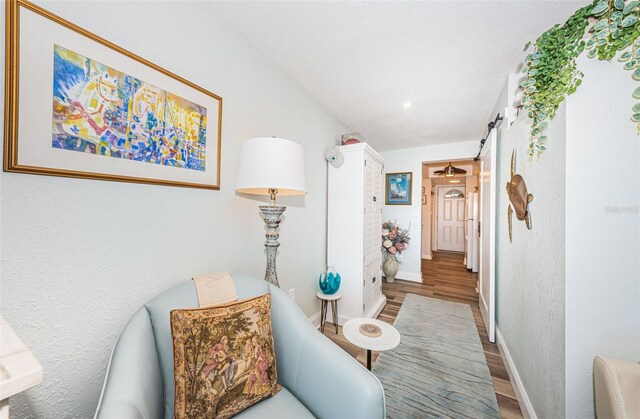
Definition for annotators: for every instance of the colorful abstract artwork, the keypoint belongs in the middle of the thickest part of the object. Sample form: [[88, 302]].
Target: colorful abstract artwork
[[100, 110]]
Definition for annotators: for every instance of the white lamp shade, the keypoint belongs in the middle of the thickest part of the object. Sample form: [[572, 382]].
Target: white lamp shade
[[271, 163]]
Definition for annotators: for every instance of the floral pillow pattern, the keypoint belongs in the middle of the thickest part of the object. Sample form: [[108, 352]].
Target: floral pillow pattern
[[224, 359]]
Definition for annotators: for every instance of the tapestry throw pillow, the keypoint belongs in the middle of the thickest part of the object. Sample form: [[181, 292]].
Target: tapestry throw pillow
[[224, 359]]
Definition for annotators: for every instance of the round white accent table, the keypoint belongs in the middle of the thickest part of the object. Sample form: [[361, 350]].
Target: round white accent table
[[324, 299], [389, 339]]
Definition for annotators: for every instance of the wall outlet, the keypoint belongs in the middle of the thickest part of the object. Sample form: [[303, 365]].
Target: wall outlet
[[292, 294]]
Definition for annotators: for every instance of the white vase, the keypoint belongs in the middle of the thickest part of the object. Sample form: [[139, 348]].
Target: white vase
[[390, 267]]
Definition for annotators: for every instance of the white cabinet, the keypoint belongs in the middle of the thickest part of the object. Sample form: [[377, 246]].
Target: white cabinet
[[355, 198]]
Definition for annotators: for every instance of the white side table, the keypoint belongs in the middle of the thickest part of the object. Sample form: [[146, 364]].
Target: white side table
[[19, 369], [325, 299], [389, 339]]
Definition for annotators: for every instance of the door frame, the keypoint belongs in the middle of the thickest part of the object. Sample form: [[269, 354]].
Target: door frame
[[434, 198], [487, 303], [434, 220]]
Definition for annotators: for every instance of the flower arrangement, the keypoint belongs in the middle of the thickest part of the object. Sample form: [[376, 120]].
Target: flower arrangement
[[394, 238]]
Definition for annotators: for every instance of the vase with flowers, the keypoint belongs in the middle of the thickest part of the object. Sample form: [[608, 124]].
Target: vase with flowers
[[395, 240]]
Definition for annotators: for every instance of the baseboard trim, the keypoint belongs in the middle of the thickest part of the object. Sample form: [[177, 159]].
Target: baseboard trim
[[409, 276], [315, 320], [427, 256], [518, 387], [382, 301], [341, 319]]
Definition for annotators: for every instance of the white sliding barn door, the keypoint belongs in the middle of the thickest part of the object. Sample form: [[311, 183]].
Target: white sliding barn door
[[487, 270]]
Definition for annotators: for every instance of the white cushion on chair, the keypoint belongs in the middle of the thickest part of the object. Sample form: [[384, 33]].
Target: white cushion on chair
[[617, 388]]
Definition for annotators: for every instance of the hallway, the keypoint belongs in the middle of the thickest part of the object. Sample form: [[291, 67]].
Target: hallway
[[444, 277]]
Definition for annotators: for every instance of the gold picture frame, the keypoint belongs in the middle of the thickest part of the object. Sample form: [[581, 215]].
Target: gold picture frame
[[398, 188], [185, 159]]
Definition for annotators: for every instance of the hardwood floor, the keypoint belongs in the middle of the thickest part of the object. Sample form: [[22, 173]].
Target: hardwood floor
[[446, 278]]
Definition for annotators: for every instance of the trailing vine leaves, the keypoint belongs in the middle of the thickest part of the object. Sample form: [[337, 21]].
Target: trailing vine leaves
[[604, 29], [552, 74]]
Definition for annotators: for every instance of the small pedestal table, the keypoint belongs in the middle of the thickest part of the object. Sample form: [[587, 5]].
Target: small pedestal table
[[387, 339]]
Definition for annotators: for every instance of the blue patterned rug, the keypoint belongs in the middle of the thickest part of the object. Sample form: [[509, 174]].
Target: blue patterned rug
[[439, 369]]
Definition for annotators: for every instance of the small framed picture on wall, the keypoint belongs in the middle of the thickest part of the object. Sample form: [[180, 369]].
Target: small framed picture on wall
[[398, 188]]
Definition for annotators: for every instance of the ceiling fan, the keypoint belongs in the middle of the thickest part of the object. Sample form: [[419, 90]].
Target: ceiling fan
[[450, 170]]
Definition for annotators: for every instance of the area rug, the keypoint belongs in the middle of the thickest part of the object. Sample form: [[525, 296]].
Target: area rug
[[439, 369]]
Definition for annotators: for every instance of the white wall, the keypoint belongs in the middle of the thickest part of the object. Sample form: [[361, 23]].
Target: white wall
[[410, 160], [602, 228], [80, 256], [568, 290], [426, 220], [530, 270]]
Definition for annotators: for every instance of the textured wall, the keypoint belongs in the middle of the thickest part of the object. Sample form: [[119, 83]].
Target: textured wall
[[80, 256], [410, 160], [530, 271], [603, 228]]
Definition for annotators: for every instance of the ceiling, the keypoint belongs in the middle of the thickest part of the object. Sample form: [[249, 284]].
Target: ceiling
[[363, 60]]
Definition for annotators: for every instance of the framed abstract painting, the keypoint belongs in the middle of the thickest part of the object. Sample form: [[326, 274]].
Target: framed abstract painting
[[398, 188], [77, 105]]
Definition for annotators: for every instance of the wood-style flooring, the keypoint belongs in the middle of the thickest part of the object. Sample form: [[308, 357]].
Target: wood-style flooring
[[444, 277]]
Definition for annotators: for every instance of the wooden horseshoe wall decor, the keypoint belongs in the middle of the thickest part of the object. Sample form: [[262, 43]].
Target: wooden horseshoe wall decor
[[519, 198]]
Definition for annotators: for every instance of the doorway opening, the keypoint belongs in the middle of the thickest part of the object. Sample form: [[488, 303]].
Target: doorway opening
[[458, 230], [449, 217]]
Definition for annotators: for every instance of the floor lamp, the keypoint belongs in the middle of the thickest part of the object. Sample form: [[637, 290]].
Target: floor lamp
[[271, 166]]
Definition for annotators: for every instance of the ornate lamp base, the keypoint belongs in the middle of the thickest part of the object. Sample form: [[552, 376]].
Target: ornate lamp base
[[272, 214]]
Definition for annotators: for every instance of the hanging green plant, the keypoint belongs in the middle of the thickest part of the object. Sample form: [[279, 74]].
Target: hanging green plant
[[603, 29]]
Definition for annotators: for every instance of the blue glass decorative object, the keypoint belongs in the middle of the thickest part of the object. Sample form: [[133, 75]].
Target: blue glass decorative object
[[329, 281]]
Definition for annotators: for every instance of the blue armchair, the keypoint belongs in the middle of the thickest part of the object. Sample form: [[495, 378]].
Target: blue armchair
[[318, 378]]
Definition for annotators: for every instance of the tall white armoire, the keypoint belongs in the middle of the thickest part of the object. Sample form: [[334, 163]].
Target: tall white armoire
[[354, 230]]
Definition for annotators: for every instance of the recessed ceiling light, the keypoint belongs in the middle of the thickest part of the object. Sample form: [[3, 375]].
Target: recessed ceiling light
[[407, 105]]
